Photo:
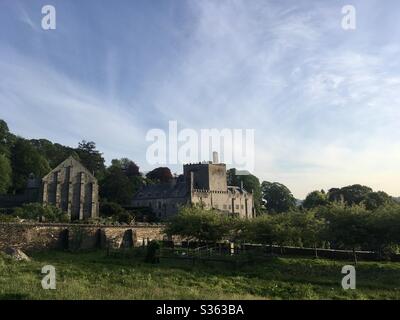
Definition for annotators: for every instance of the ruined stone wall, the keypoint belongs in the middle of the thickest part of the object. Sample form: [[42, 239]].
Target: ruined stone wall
[[37, 237]]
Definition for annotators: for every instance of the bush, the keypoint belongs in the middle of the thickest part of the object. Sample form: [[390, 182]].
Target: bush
[[115, 212], [42, 213], [153, 252], [200, 224]]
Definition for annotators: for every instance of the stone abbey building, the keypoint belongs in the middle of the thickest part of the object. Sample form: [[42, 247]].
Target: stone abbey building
[[73, 189], [201, 183]]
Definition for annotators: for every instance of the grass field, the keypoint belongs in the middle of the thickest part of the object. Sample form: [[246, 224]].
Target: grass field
[[97, 276]]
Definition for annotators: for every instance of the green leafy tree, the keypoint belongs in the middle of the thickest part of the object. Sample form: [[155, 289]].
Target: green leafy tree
[[374, 200], [261, 230], [116, 186], [5, 174], [250, 184], [384, 230], [115, 212], [53, 152], [131, 171], [309, 228], [25, 159], [6, 138], [350, 195], [38, 212], [315, 199], [196, 223], [130, 168], [347, 226], [277, 197], [153, 252], [91, 158], [161, 174]]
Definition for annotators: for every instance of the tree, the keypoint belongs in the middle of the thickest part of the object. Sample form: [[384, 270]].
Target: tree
[[38, 212], [115, 211], [277, 197], [5, 174], [384, 230], [347, 226], [25, 159], [161, 174], [90, 157], [250, 184], [353, 194], [261, 230], [54, 153], [310, 229], [196, 223], [315, 199], [130, 168], [374, 200], [4, 138], [115, 186]]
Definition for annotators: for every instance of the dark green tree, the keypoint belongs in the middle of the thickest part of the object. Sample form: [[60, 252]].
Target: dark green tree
[[25, 159], [161, 174], [277, 197], [115, 186], [250, 184], [347, 226], [196, 223], [374, 200], [5, 174], [350, 195], [91, 158], [54, 153], [315, 199]]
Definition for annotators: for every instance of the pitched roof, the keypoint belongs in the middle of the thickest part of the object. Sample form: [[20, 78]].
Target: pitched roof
[[71, 161]]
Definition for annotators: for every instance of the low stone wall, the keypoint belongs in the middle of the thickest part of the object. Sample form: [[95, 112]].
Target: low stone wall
[[40, 236]]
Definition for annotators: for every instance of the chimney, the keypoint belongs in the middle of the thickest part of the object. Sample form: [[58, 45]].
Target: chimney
[[241, 185], [215, 157]]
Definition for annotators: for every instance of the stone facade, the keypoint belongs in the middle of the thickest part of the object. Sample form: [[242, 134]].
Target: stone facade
[[73, 189], [40, 236], [201, 183]]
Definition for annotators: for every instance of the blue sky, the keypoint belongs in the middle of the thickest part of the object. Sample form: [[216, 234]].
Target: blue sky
[[324, 102]]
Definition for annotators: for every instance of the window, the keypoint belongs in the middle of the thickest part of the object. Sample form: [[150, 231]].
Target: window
[[237, 207], [242, 207], [224, 206]]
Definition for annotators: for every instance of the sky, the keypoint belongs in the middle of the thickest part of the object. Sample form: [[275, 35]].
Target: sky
[[324, 102]]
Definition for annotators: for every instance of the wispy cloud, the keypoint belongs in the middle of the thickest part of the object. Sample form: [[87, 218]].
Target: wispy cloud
[[324, 102]]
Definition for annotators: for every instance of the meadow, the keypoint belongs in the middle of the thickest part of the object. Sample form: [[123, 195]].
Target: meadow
[[96, 275]]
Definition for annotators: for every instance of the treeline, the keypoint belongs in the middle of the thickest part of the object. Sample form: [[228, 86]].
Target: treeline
[[22, 158], [332, 226]]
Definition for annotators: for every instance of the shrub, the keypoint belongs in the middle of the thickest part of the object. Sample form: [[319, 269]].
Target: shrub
[[153, 252], [42, 213], [200, 224]]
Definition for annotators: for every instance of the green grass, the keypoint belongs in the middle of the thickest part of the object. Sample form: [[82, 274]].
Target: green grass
[[96, 276]]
